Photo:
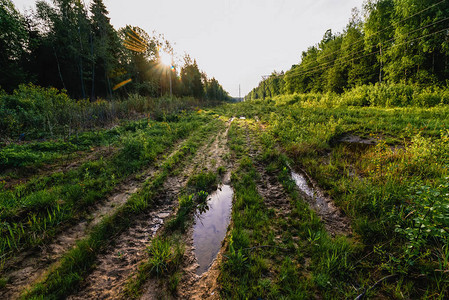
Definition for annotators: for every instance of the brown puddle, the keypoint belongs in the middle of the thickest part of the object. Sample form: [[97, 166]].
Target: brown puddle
[[211, 226]]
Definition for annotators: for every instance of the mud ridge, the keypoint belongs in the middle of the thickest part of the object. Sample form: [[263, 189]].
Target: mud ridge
[[63, 165], [29, 266]]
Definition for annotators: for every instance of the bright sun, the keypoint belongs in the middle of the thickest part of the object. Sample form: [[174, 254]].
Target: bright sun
[[165, 58]]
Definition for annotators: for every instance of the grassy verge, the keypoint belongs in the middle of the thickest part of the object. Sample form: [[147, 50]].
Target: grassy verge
[[394, 191], [77, 263], [257, 264]]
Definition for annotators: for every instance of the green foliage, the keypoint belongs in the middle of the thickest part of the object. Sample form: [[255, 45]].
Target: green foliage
[[395, 42], [424, 220], [164, 256]]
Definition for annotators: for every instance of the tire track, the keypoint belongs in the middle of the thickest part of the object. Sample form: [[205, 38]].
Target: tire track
[[29, 266], [117, 264]]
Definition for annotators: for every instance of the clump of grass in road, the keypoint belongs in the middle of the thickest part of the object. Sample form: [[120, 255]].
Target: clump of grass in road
[[204, 181], [164, 256]]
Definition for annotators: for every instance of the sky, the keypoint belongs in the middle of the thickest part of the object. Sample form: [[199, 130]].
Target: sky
[[234, 41]]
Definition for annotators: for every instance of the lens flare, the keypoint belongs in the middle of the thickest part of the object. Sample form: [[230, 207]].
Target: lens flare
[[165, 58], [119, 85]]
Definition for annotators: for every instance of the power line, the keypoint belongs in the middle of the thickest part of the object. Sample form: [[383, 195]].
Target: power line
[[379, 31], [298, 73], [369, 54]]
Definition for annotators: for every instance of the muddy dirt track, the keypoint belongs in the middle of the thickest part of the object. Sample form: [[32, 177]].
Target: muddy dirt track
[[30, 266], [120, 261]]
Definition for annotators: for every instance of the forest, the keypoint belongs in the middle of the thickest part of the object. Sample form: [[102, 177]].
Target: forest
[[71, 47], [126, 176], [401, 45]]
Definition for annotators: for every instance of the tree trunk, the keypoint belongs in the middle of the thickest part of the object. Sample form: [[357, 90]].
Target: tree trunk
[[81, 65], [59, 69], [92, 94]]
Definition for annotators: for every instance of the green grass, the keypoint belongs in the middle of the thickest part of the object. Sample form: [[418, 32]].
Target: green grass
[[393, 193], [79, 261], [33, 212]]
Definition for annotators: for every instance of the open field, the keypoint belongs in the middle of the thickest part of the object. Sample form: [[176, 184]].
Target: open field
[[327, 203]]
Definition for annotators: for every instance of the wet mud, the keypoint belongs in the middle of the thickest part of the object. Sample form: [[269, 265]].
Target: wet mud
[[334, 220], [114, 267], [29, 266]]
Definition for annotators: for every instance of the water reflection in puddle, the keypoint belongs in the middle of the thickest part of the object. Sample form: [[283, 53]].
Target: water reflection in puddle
[[210, 227], [302, 184]]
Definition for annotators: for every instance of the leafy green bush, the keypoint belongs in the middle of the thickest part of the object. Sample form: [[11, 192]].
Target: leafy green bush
[[424, 219], [32, 111], [379, 95]]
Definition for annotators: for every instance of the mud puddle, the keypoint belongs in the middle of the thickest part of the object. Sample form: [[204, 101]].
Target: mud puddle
[[334, 221], [211, 226]]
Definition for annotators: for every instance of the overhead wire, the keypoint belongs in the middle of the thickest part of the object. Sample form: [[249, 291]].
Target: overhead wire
[[362, 39], [362, 50], [319, 68]]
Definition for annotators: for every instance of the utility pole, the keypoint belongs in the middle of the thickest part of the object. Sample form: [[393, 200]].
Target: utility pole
[[239, 92]]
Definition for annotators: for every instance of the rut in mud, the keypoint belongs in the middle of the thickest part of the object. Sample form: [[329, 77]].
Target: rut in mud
[[30, 265], [334, 221], [76, 160], [122, 258], [192, 285], [201, 279], [210, 226]]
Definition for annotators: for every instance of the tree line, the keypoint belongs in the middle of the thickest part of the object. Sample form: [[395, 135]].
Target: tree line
[[390, 41], [69, 46]]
